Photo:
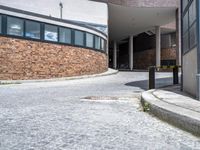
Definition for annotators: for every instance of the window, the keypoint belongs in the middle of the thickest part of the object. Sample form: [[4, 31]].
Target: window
[[51, 33], [193, 36], [97, 42], [102, 44], [185, 23], [185, 43], [15, 26], [189, 25], [79, 38], [65, 35], [184, 3], [89, 40], [32, 30], [0, 24], [29, 29], [192, 12]]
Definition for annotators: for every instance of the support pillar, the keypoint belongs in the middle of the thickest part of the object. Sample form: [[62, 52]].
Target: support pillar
[[178, 38], [115, 55], [158, 45], [131, 52]]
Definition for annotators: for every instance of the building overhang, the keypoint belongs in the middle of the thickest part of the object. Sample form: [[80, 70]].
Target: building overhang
[[143, 3], [126, 21], [132, 17]]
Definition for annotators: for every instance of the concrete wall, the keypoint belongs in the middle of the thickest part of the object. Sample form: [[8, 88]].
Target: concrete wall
[[190, 72], [79, 10], [25, 59]]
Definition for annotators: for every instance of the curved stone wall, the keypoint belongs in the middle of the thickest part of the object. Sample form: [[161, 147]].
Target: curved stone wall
[[25, 59]]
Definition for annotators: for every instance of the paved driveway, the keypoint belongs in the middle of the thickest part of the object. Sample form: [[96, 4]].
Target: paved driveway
[[56, 116]]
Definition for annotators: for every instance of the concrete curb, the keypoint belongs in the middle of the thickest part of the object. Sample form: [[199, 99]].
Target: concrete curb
[[180, 117], [107, 73]]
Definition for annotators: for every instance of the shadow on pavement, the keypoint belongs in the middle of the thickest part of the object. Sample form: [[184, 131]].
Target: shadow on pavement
[[143, 84]]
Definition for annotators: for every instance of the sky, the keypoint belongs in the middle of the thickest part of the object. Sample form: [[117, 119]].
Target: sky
[[78, 10]]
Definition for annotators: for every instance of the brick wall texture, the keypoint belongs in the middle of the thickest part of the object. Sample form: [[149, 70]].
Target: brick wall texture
[[144, 59], [25, 59]]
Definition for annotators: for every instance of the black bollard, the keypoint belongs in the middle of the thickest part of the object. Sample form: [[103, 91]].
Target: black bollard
[[151, 77], [175, 75]]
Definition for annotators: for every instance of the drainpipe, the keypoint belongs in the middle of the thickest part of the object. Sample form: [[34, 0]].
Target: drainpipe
[[198, 50]]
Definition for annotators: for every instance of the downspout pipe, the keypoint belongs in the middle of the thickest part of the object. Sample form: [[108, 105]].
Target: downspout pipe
[[198, 49]]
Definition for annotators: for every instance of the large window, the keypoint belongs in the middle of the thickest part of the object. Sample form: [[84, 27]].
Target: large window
[[189, 25], [32, 29], [89, 40], [185, 42], [79, 38], [97, 42], [15, 26], [185, 22], [51, 33], [0, 24], [192, 13], [193, 35], [65, 35], [35, 30], [184, 3], [103, 44]]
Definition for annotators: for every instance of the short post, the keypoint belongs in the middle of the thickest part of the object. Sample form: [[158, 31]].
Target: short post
[[151, 77], [175, 75]]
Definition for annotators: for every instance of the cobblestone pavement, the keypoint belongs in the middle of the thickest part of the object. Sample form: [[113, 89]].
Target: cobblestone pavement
[[55, 116]]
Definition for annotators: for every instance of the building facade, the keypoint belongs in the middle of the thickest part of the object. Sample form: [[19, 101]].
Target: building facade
[[84, 37], [143, 33], [190, 46], [63, 39]]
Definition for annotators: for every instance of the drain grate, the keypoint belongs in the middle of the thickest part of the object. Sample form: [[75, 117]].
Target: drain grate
[[132, 100], [106, 98]]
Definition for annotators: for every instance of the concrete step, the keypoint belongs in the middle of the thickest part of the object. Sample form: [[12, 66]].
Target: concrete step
[[173, 106]]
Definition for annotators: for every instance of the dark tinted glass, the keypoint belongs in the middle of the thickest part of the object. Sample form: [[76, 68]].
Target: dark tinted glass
[[51, 33], [15, 26], [32, 29]]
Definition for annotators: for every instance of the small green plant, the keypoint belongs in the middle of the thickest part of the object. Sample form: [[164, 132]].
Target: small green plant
[[7, 83], [146, 107]]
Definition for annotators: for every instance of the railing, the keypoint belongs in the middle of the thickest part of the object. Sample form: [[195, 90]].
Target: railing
[[153, 69]]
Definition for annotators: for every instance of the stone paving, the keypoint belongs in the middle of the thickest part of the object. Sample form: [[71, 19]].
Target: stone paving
[[56, 116]]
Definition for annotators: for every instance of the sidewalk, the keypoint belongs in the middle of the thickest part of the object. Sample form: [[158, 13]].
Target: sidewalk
[[109, 72], [173, 106]]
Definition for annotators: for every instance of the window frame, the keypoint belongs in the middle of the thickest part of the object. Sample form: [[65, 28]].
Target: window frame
[[185, 11], [84, 38], [93, 43], [71, 34], [57, 31], [42, 31], [1, 23], [99, 42], [25, 28], [104, 45]]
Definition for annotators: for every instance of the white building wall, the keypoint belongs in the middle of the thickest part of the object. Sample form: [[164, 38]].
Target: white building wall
[[190, 72], [78, 10]]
